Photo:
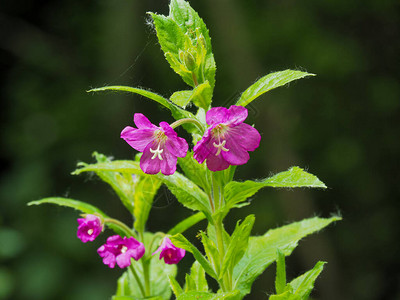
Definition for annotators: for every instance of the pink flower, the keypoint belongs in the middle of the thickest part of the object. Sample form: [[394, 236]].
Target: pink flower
[[160, 145], [89, 228], [120, 250], [170, 253], [227, 140]]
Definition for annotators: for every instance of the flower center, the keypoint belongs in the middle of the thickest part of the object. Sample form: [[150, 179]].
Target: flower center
[[90, 231], [157, 153], [220, 147], [124, 249]]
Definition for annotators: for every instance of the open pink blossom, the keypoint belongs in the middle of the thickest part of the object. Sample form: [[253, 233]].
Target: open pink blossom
[[120, 250], [227, 140], [160, 145], [170, 253], [89, 228]]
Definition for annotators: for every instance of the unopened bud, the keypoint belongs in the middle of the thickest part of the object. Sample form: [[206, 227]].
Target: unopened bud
[[189, 61]]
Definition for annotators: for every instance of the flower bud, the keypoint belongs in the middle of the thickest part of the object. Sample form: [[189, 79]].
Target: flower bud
[[89, 228], [170, 253]]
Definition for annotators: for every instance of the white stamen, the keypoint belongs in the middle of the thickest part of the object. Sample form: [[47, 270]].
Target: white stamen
[[157, 152], [90, 231], [123, 249], [220, 147]]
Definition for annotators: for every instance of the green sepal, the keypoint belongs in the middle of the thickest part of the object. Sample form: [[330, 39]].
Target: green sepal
[[269, 82]]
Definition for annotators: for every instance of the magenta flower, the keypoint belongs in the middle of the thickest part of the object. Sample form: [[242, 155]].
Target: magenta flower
[[120, 250], [227, 140], [170, 253], [160, 145], [89, 228]]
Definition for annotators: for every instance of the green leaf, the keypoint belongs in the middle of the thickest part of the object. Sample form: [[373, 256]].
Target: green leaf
[[238, 244], [303, 285], [177, 112], [144, 194], [83, 207], [192, 295], [123, 184], [78, 205], [198, 173], [269, 82], [261, 251], [202, 95], [187, 193], [190, 285], [236, 192], [280, 281], [187, 223], [173, 41], [284, 296], [181, 242], [191, 24], [211, 250], [197, 279], [181, 98], [176, 288]]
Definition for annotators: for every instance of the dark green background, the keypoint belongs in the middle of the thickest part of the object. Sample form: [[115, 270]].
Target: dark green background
[[342, 125]]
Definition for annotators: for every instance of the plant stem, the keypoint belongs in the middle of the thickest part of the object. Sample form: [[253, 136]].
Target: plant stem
[[139, 283], [217, 197], [128, 232], [146, 275], [188, 120], [195, 79]]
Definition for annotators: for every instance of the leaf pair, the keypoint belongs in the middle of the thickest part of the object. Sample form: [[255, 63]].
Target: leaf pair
[[300, 287]]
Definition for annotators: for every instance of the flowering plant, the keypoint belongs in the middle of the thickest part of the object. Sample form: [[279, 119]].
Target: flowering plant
[[221, 140]]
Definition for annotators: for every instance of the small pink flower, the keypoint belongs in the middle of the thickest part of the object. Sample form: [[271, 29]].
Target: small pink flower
[[120, 250], [170, 253], [160, 145], [227, 140], [89, 228]]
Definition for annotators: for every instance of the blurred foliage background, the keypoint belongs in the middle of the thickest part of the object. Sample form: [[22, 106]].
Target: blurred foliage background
[[342, 125]]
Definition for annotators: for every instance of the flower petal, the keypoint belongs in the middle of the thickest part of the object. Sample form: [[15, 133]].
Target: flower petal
[[246, 136], [168, 164], [138, 139], [124, 260], [177, 146], [204, 147], [236, 154], [147, 163], [141, 121], [217, 115], [216, 163], [236, 115]]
